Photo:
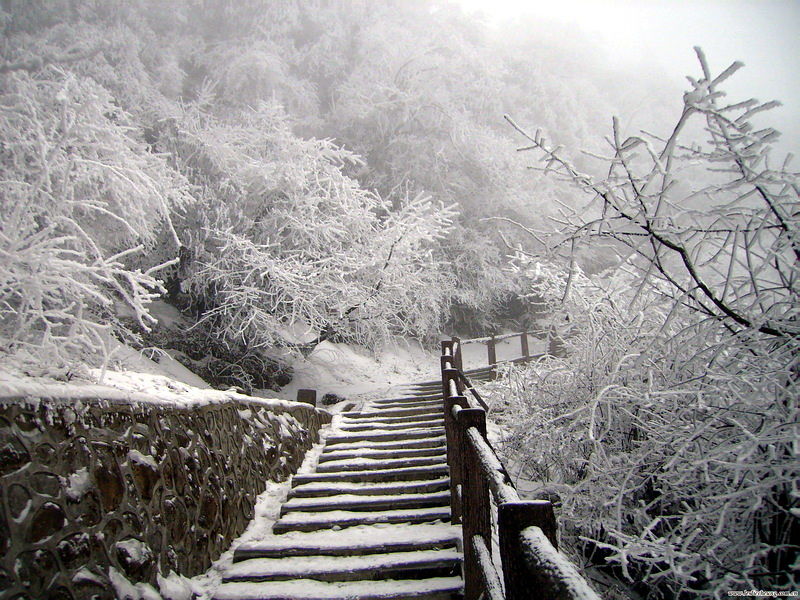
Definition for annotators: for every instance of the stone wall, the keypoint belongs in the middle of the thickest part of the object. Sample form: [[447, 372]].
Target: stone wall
[[96, 488]]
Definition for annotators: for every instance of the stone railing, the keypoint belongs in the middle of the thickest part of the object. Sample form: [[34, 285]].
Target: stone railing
[[108, 485]]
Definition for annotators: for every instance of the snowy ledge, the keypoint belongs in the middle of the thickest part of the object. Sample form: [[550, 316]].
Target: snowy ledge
[[136, 478], [130, 388]]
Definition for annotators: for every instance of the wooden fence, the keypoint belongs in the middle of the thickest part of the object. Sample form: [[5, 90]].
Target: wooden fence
[[531, 567], [554, 345]]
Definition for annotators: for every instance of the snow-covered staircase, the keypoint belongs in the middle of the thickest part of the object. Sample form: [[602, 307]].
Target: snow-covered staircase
[[373, 521]]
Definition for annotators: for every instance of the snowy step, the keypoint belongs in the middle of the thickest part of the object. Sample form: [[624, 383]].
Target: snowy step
[[378, 539], [397, 412], [355, 502], [481, 374], [315, 490], [364, 464], [393, 436], [414, 398], [441, 588], [380, 426], [403, 474], [351, 444], [414, 402], [424, 387], [396, 565], [432, 405], [433, 409], [310, 521], [396, 420], [368, 452], [380, 411]]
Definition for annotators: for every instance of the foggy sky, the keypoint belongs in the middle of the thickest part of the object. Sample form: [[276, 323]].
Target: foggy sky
[[641, 33]]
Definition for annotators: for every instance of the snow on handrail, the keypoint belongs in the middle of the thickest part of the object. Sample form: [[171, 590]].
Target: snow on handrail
[[492, 584], [453, 388], [551, 569], [496, 338], [532, 567], [493, 469]]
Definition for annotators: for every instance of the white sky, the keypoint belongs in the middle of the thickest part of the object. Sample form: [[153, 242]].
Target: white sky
[[764, 34]]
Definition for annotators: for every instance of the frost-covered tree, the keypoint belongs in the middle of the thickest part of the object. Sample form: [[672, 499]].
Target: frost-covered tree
[[80, 196], [670, 428], [289, 241]]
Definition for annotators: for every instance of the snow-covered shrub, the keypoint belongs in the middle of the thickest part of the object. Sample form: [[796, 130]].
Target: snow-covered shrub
[[670, 440], [79, 197], [284, 240], [670, 428]]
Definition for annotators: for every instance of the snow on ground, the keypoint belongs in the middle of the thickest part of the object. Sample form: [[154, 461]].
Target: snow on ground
[[125, 358], [349, 371], [118, 387], [131, 376]]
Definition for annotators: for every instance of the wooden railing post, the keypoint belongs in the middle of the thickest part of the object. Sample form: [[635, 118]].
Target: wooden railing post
[[475, 503], [446, 362], [455, 458], [523, 342], [513, 517], [555, 345], [457, 355], [491, 346]]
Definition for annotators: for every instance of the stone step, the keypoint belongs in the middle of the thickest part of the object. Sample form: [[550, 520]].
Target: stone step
[[396, 412], [410, 398], [381, 426], [373, 464], [359, 541], [481, 374], [421, 433], [434, 442], [368, 452], [382, 475], [432, 408], [312, 521], [440, 588], [322, 489], [425, 386], [419, 564], [414, 402], [355, 502], [408, 419], [432, 405]]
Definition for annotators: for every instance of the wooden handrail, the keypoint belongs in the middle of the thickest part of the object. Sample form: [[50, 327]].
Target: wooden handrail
[[491, 346], [469, 387], [488, 338], [532, 567]]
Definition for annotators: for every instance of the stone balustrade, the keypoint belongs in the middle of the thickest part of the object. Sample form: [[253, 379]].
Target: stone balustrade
[[125, 485]]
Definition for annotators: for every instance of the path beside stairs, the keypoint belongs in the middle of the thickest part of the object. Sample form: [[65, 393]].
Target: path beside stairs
[[373, 521]]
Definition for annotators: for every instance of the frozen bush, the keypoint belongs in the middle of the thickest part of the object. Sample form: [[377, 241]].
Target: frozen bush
[[80, 197]]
